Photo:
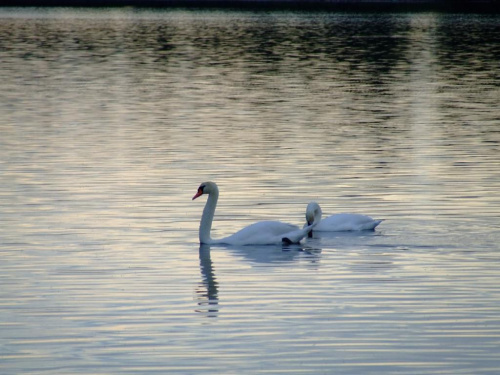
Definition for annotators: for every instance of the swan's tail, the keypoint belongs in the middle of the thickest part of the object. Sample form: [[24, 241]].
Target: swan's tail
[[297, 235], [375, 224]]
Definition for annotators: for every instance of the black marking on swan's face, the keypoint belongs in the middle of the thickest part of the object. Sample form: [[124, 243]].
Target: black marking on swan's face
[[200, 191]]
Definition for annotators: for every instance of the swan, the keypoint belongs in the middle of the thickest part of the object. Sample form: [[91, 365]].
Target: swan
[[338, 222], [260, 233]]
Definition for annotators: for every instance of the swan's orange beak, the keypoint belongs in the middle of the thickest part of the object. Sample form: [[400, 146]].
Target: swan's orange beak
[[200, 192]]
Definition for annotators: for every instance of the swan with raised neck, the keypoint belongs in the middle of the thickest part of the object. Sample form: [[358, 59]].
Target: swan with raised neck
[[260, 233]]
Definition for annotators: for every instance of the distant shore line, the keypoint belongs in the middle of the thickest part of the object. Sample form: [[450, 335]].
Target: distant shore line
[[358, 5]]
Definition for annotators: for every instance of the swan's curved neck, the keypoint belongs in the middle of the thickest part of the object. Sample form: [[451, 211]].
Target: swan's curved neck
[[208, 217]]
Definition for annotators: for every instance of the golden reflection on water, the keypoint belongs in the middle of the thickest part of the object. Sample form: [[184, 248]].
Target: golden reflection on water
[[111, 119]]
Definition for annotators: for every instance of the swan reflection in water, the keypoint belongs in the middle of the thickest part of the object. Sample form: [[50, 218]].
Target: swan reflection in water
[[208, 289], [207, 292], [276, 255]]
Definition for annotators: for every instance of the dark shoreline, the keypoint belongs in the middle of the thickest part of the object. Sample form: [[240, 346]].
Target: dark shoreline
[[489, 6]]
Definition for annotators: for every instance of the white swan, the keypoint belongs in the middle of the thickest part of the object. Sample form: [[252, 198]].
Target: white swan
[[338, 222], [260, 233]]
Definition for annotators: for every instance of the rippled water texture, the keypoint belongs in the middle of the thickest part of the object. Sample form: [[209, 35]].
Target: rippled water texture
[[109, 121]]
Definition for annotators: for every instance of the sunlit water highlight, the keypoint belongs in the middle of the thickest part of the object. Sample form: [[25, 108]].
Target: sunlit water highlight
[[109, 121]]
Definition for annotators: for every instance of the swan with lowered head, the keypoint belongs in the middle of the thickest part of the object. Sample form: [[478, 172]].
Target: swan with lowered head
[[260, 233], [338, 222]]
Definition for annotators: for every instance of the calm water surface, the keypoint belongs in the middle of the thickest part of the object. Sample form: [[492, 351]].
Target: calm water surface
[[109, 121]]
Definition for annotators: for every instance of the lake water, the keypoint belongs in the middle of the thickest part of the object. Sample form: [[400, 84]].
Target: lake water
[[111, 118]]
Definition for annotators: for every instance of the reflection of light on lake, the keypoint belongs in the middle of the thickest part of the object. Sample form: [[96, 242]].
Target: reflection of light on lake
[[110, 119]]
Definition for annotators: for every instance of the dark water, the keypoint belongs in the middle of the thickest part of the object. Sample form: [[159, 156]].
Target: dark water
[[111, 118]]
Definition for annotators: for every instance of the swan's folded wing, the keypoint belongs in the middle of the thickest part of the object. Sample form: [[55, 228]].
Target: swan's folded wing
[[347, 222], [261, 233]]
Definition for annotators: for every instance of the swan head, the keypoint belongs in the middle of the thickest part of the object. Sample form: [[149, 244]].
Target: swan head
[[313, 213], [206, 188]]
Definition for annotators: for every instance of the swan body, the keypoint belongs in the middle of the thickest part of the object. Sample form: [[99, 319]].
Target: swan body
[[260, 233], [338, 222]]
